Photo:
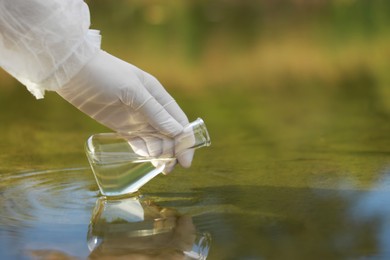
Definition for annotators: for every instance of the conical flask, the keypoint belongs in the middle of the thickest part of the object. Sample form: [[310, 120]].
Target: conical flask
[[123, 162]]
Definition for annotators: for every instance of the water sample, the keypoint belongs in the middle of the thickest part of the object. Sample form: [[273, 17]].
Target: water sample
[[124, 162]]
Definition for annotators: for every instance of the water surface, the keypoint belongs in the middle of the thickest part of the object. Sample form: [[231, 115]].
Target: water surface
[[289, 175]]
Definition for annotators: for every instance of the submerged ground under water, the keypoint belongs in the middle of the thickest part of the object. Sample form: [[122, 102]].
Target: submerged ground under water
[[292, 174]]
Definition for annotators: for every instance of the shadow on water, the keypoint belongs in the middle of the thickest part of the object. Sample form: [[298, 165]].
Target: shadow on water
[[260, 222], [300, 223]]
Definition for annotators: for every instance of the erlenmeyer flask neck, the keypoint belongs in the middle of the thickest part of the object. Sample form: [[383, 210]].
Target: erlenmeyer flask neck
[[194, 135]]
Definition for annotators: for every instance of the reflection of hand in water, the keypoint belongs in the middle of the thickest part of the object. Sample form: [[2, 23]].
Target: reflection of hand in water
[[119, 230]]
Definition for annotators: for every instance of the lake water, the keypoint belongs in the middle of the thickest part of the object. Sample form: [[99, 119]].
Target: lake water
[[295, 173]]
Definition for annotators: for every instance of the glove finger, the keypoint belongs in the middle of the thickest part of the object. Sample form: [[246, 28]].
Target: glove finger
[[168, 147], [139, 146], [184, 142], [174, 109], [154, 146], [157, 116], [185, 158], [147, 147], [169, 167], [168, 152], [164, 98]]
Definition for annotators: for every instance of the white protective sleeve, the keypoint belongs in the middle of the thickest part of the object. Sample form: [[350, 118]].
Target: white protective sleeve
[[44, 43], [47, 45]]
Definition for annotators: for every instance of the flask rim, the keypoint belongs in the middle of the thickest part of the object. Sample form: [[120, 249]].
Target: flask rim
[[199, 121]]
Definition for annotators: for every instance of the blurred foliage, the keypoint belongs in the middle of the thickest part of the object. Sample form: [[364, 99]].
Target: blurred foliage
[[252, 43], [311, 55], [300, 51]]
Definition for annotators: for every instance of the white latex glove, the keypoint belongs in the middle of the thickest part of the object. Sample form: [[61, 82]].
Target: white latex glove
[[125, 98]]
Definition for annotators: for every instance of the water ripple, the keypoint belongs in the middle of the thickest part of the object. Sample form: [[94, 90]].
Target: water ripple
[[62, 196], [51, 212]]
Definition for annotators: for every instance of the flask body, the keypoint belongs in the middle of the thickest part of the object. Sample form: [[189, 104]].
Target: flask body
[[124, 162]]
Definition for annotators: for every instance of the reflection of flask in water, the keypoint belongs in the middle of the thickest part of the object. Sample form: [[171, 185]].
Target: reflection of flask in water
[[136, 227], [123, 162]]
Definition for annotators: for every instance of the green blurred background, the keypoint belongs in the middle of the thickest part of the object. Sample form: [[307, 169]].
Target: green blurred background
[[247, 66]]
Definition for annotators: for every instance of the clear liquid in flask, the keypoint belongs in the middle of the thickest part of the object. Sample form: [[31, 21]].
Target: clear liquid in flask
[[123, 162], [118, 178]]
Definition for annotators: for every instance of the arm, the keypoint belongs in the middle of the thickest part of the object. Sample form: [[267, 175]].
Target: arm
[[44, 43], [47, 45]]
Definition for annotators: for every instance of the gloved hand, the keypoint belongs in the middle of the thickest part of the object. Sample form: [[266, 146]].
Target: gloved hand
[[125, 98]]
